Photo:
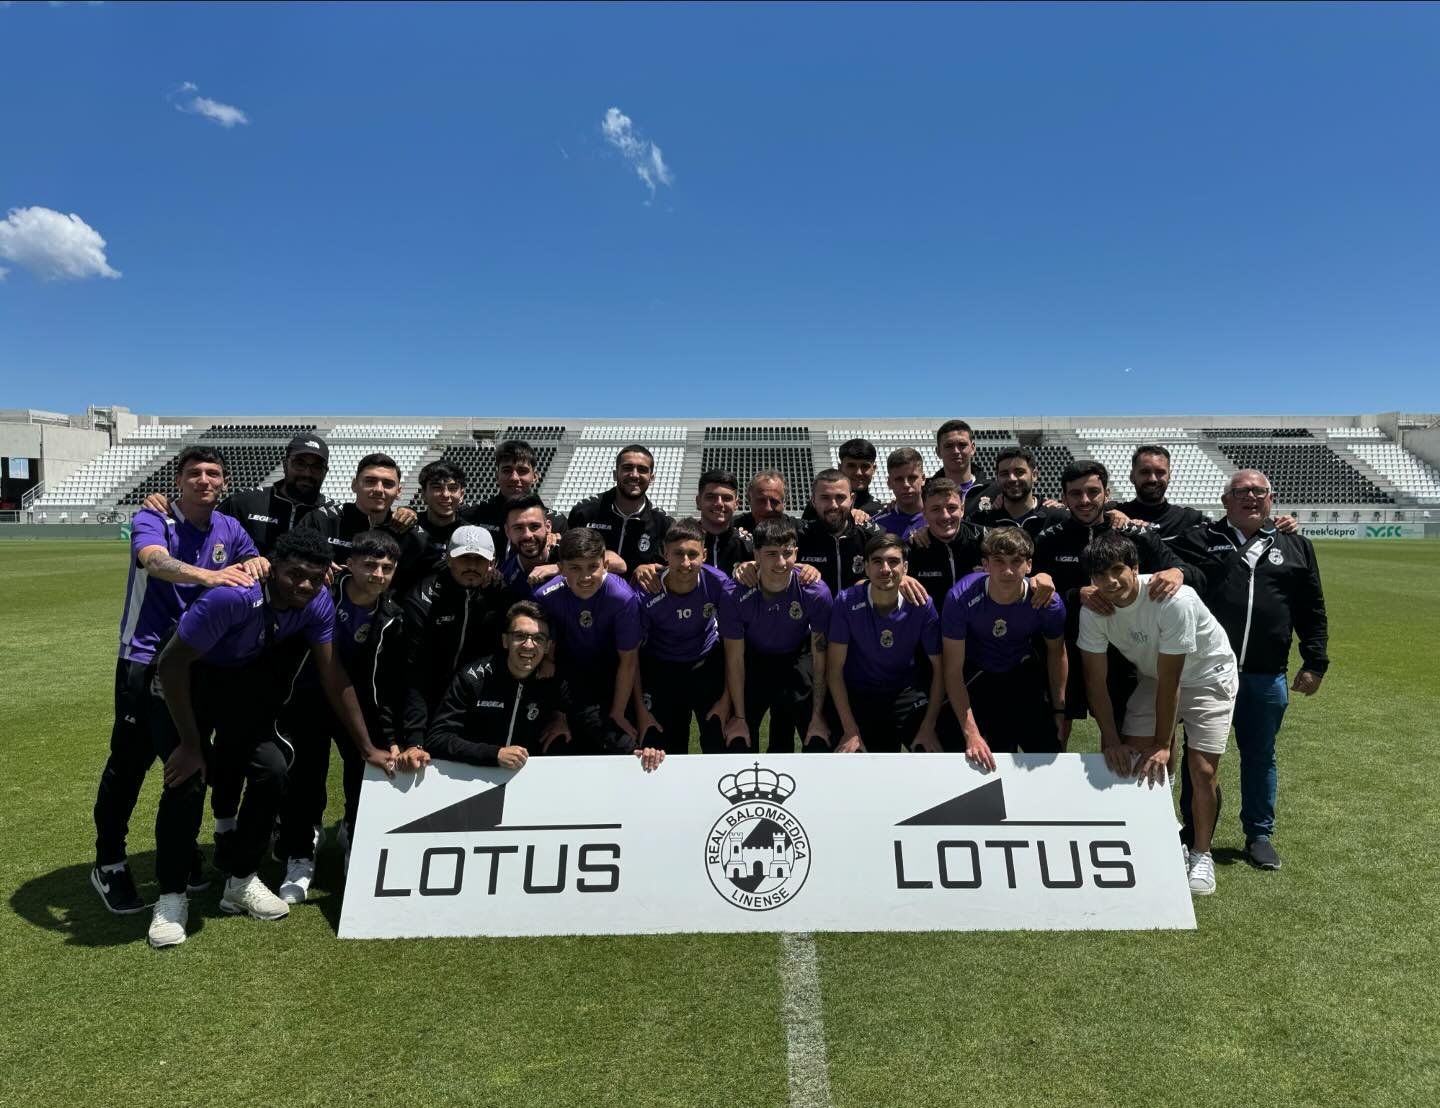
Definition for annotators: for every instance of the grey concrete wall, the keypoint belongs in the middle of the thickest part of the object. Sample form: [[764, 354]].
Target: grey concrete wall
[[1425, 443]]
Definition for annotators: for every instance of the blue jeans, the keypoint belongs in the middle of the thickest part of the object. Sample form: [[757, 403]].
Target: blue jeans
[[1259, 710]]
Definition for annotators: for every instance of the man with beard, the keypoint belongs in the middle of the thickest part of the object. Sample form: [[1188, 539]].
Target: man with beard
[[451, 618], [955, 443], [1016, 471], [1150, 474], [832, 542], [1058, 548], [857, 462], [905, 475], [633, 528], [376, 487], [531, 561], [517, 475], [268, 513], [766, 496]]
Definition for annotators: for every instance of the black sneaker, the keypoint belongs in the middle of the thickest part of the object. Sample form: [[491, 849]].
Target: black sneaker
[[197, 881], [1261, 854], [117, 889]]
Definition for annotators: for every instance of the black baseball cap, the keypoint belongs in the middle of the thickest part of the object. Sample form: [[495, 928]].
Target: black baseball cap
[[309, 444]]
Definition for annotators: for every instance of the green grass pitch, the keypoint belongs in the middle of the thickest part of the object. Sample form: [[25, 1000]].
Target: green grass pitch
[[1319, 984]]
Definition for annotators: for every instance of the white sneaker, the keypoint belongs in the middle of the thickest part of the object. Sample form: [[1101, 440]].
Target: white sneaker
[[299, 872], [167, 924], [248, 896], [1202, 873], [1185, 857]]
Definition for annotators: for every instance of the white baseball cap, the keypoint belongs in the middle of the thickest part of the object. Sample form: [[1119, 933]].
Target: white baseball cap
[[471, 540]]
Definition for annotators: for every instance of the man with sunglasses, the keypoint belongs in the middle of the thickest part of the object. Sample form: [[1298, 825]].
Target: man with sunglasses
[[1263, 586]]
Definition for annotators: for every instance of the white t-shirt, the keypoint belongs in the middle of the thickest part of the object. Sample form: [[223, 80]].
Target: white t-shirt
[[1148, 628]]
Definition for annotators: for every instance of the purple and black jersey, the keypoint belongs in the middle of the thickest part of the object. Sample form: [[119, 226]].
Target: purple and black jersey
[[684, 627], [153, 606], [592, 629], [898, 523], [997, 636], [881, 647], [228, 626], [352, 627], [782, 624]]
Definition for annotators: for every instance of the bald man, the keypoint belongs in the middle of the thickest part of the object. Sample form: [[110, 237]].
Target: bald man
[[1264, 587]]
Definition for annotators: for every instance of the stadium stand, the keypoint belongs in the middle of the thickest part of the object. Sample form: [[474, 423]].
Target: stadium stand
[[533, 433], [643, 433], [383, 432], [757, 434], [98, 478], [278, 432], [795, 462], [887, 439], [1304, 472], [592, 470], [1402, 469], [1354, 432], [1226, 433], [1052, 457], [160, 431], [1137, 435]]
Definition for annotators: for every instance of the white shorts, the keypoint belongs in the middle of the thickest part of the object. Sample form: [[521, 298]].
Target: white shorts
[[1205, 710]]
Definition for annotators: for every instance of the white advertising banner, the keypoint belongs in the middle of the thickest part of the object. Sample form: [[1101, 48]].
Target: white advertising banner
[[1363, 530], [856, 842]]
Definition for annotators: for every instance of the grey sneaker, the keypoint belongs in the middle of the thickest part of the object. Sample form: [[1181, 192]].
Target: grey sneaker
[[248, 896], [1261, 853], [1202, 873]]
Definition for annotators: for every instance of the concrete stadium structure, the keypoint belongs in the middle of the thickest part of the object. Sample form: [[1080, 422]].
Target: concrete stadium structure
[[98, 466]]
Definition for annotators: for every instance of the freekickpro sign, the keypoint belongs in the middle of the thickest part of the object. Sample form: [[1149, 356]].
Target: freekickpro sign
[[856, 842]]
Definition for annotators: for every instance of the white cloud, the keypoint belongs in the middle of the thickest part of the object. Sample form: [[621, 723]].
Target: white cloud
[[644, 156], [187, 99], [53, 246]]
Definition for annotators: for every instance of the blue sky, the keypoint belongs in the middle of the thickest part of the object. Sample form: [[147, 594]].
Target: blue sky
[[862, 212]]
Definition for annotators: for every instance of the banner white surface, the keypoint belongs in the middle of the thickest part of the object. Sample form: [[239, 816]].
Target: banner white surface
[[1363, 530], [858, 842]]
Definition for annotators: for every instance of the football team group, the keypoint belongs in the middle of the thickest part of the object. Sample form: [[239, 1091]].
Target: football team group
[[959, 613]]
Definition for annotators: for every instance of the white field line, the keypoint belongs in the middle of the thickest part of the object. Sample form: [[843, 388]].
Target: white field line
[[805, 1062]]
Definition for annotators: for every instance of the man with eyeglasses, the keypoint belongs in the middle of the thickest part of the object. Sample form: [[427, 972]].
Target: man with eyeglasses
[[1263, 586]]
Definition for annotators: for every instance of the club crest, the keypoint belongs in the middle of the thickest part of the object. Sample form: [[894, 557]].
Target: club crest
[[796, 612], [218, 554], [887, 638], [1000, 629], [587, 618], [757, 854]]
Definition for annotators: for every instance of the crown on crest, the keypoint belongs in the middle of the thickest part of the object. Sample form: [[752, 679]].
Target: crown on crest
[[756, 784]]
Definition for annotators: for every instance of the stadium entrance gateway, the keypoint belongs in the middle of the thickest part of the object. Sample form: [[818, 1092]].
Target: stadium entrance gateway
[[866, 842]]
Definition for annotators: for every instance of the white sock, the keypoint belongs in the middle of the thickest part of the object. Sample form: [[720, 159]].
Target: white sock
[[222, 826]]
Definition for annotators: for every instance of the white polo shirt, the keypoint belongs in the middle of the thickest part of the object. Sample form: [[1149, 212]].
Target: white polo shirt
[[1148, 628]]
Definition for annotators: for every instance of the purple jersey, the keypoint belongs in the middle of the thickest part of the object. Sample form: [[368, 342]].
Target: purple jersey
[[352, 627], [153, 606], [227, 626], [684, 627], [998, 636], [783, 624], [881, 654], [593, 629], [516, 577], [898, 523]]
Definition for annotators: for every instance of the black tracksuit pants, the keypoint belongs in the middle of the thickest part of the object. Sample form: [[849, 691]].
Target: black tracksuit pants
[[676, 691], [1012, 709], [312, 726], [246, 754], [132, 750], [887, 720], [782, 686]]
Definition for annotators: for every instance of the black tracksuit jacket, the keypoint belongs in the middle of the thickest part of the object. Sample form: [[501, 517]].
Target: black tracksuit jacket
[[839, 558], [267, 513], [1261, 608], [340, 523], [486, 708], [637, 539], [1167, 520], [940, 564], [447, 626]]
